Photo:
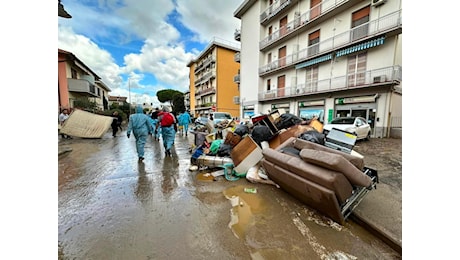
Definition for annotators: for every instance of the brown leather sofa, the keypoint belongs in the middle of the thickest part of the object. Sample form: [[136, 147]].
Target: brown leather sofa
[[325, 179]]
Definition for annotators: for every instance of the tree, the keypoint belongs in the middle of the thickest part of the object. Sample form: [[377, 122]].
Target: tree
[[85, 104], [178, 103], [167, 95]]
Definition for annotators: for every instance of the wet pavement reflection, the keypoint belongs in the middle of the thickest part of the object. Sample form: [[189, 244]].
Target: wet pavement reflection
[[113, 207]]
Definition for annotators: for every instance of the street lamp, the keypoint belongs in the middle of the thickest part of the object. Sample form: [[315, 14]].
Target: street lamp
[[129, 93]]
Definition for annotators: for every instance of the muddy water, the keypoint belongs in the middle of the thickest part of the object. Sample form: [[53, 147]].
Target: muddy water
[[113, 207]]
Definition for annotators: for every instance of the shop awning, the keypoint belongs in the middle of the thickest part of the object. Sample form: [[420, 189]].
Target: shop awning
[[361, 46], [313, 61]]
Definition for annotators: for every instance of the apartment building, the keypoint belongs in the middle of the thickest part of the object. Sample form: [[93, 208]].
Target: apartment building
[[214, 79], [77, 81], [324, 58]]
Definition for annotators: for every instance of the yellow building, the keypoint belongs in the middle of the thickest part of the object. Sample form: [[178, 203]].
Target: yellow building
[[214, 79]]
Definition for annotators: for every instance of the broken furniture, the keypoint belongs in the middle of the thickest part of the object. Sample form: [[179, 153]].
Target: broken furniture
[[328, 180]]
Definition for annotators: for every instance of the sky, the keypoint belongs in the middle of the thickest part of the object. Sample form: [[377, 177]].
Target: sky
[[141, 47]]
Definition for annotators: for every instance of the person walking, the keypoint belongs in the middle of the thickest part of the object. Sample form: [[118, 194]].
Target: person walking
[[168, 133], [156, 128], [116, 123], [62, 118], [184, 121], [139, 124]]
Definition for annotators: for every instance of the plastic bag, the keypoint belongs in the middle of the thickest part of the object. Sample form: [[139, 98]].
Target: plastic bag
[[313, 136]]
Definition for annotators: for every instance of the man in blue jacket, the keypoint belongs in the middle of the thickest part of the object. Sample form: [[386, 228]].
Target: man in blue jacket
[[141, 127], [185, 120]]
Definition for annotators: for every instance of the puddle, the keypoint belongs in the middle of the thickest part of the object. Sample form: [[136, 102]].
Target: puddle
[[244, 208], [205, 177]]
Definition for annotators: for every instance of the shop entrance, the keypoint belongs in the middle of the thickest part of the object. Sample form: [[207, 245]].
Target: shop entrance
[[367, 113]]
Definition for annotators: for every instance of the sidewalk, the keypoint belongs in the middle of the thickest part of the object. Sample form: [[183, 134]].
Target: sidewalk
[[381, 210]]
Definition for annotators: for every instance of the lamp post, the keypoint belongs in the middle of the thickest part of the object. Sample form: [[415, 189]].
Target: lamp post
[[129, 94]]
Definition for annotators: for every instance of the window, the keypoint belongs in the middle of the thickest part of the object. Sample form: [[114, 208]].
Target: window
[[311, 81], [360, 23], [357, 69], [282, 56], [73, 73], [268, 84], [313, 43], [315, 8]]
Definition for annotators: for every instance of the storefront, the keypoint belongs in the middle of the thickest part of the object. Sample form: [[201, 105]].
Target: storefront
[[248, 112], [363, 106], [279, 106], [309, 109]]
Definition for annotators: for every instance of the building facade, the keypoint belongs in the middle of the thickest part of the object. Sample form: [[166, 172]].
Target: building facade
[[213, 79], [120, 101], [77, 81], [322, 58]]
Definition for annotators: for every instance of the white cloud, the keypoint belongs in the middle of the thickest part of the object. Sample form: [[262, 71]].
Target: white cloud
[[98, 60], [210, 18], [115, 23]]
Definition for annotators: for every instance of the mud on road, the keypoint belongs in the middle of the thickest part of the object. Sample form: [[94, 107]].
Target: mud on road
[[384, 155]]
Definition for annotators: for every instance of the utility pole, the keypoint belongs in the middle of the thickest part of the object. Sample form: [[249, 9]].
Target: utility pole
[[129, 93]]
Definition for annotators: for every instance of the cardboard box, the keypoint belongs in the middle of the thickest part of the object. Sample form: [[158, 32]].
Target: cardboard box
[[245, 155]]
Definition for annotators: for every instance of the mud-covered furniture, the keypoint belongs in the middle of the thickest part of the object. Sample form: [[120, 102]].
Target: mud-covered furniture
[[328, 180]]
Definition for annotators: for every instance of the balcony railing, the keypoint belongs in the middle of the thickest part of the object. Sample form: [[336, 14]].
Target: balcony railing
[[82, 86], [274, 9], [237, 35], [370, 29], [310, 15], [211, 74], [388, 75], [236, 79], [237, 57], [205, 63], [206, 91]]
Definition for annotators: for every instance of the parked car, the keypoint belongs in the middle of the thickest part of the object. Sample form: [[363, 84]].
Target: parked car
[[355, 125], [221, 116], [202, 120]]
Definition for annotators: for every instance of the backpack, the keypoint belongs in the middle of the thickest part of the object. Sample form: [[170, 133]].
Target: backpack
[[167, 120]]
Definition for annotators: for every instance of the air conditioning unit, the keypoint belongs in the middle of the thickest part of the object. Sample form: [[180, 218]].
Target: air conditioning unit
[[380, 79], [236, 100], [378, 2]]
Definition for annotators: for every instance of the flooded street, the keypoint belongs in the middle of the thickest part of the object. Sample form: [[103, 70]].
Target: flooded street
[[113, 207]]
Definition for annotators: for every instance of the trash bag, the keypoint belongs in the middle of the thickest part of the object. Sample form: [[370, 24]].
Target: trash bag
[[313, 136], [241, 130], [215, 146], [261, 133], [196, 153], [224, 150], [287, 120]]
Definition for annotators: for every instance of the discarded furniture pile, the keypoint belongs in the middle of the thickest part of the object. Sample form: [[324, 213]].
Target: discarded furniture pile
[[282, 149]]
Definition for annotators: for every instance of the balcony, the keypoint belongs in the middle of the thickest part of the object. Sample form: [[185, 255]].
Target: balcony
[[237, 57], [205, 63], [326, 10], [82, 86], [372, 78], [206, 91], [210, 74], [388, 25], [275, 10], [236, 79], [237, 35]]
